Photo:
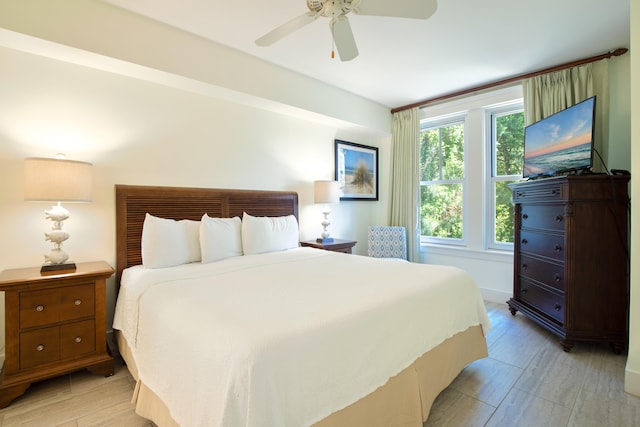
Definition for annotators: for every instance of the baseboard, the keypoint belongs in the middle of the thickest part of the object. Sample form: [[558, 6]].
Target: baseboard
[[493, 295], [632, 382]]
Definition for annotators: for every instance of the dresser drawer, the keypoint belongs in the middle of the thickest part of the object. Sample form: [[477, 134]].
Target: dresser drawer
[[543, 191], [39, 308], [77, 339], [543, 271], [545, 217], [547, 245], [543, 300], [39, 347]]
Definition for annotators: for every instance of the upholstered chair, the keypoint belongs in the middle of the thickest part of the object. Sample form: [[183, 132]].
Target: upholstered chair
[[386, 241]]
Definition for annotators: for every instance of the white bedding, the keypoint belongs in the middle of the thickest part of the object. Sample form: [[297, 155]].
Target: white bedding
[[285, 338]]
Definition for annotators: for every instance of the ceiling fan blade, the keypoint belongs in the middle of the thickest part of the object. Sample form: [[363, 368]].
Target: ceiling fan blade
[[343, 37], [417, 9], [286, 29]]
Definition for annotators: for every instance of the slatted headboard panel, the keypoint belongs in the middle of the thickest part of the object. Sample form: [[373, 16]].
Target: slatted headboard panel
[[133, 202]]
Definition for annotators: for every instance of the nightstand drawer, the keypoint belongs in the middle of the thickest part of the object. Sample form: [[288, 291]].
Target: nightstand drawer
[[57, 343], [38, 308], [39, 347], [77, 339]]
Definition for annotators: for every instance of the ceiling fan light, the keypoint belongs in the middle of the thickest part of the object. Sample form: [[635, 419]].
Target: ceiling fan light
[[315, 5]]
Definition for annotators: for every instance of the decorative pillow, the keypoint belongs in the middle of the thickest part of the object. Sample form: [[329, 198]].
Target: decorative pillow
[[220, 238], [268, 234], [167, 242]]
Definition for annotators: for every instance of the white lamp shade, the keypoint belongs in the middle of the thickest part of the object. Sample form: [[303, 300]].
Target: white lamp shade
[[56, 180], [326, 192]]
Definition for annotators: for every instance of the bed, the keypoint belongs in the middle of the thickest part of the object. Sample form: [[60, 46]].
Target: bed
[[294, 336]]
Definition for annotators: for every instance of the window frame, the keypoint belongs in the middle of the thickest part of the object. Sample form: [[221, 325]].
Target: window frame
[[439, 122], [491, 179], [474, 247]]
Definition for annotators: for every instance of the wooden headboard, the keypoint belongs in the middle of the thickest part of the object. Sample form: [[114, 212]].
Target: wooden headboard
[[133, 202]]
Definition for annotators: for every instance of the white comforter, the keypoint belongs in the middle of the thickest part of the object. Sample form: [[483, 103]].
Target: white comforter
[[285, 338]]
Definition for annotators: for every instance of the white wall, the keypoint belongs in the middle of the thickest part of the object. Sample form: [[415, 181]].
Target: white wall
[[135, 132], [139, 126], [632, 373]]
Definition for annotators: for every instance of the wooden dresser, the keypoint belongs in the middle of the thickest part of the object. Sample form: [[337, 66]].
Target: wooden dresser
[[571, 254], [54, 324]]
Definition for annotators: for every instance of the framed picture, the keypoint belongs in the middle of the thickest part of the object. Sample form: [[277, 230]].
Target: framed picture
[[356, 171]]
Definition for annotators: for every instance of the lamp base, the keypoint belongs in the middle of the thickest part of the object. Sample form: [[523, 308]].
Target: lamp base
[[56, 268], [324, 240]]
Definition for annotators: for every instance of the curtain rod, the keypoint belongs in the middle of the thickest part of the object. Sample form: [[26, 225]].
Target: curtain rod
[[616, 52]]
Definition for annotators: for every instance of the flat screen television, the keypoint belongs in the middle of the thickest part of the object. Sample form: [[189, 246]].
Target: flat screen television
[[561, 143]]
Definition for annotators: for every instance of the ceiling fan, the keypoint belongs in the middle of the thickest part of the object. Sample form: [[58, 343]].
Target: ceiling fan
[[337, 10]]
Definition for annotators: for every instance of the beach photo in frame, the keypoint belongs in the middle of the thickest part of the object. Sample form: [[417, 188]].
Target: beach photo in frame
[[356, 171]]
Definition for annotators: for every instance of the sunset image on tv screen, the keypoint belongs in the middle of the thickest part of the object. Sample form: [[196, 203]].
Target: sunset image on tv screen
[[560, 142]]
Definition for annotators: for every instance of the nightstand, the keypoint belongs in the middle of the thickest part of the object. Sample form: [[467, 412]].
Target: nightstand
[[55, 324], [338, 245]]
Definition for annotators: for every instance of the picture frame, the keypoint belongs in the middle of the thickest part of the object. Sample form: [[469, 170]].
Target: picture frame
[[356, 170]]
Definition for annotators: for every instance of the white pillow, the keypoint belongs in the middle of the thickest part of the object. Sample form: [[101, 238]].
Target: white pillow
[[220, 238], [167, 242], [268, 234], [192, 230]]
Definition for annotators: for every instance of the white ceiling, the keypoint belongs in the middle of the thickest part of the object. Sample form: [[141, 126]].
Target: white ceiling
[[402, 61]]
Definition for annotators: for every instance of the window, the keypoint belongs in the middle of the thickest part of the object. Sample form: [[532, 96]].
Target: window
[[470, 151], [442, 179], [506, 147]]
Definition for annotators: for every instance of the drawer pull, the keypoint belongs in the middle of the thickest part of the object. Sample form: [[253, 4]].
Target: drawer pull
[[40, 347], [524, 290], [555, 192], [558, 248], [520, 193], [40, 308], [557, 307], [559, 218], [557, 277], [77, 302], [525, 216], [525, 241], [78, 339], [524, 266]]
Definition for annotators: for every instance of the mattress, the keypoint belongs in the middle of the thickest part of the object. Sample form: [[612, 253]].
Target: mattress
[[294, 337]]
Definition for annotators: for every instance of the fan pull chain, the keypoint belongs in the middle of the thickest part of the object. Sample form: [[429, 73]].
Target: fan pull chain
[[333, 41]]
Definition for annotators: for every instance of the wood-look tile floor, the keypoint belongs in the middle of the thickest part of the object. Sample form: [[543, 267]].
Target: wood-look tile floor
[[526, 381], [79, 399]]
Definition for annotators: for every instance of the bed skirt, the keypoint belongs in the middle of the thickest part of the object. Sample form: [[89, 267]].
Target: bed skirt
[[405, 400]]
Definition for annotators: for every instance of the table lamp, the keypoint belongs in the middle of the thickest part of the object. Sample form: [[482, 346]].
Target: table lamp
[[57, 180], [326, 192]]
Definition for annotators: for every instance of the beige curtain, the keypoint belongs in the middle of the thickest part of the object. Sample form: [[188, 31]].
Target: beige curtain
[[405, 184], [549, 93]]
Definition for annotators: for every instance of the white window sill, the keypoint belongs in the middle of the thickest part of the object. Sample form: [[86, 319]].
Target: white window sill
[[460, 251]]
